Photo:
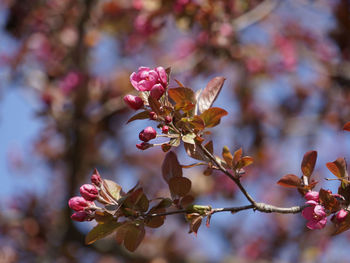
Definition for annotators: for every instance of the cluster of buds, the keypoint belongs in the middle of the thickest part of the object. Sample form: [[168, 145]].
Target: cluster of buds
[[151, 83], [84, 205]]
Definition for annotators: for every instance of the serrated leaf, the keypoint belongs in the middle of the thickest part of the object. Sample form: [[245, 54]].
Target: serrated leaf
[[101, 231], [290, 180], [338, 168], [189, 138], [347, 126], [179, 186], [171, 167], [139, 116], [133, 236], [308, 163], [112, 188], [226, 154], [210, 93], [212, 116]]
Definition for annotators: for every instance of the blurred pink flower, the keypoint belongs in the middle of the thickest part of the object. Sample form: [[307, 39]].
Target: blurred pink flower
[[315, 214]]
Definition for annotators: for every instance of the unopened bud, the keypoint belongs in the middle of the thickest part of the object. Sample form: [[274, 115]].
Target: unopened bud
[[157, 91], [312, 195], [89, 192], [147, 134], [168, 119], [80, 216], [143, 145], [165, 129], [133, 102], [78, 203], [153, 115], [96, 178]]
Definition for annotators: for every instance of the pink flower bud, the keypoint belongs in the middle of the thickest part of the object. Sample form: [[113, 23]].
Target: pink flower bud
[[78, 203], [165, 129], [153, 115], [162, 75], [341, 215], [157, 91], [133, 102], [143, 145], [312, 196], [147, 134], [96, 178], [89, 192], [80, 216], [168, 119]]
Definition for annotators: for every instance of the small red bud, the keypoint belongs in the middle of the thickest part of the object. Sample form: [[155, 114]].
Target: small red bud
[[153, 115], [96, 178], [147, 134], [89, 192], [133, 102], [165, 129], [168, 119], [80, 216], [78, 203], [143, 145]]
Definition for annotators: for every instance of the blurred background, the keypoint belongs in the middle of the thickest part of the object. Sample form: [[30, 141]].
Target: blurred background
[[65, 67]]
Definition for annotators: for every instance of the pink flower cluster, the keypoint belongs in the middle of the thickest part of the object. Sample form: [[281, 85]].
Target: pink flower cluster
[[315, 214], [84, 205], [153, 81]]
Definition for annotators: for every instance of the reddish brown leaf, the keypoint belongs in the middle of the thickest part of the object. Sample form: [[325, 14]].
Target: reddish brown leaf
[[155, 105], [237, 156], [209, 146], [186, 200], [139, 116], [347, 126], [290, 180], [171, 167], [212, 116], [179, 83], [156, 221], [101, 231], [184, 98], [328, 201], [195, 152], [133, 236], [197, 123], [210, 93], [195, 224], [137, 200], [343, 226], [244, 162], [226, 154], [308, 163], [338, 168], [179, 186]]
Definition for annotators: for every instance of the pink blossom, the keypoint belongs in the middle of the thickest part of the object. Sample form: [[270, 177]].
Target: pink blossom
[[147, 134], [89, 192], [312, 195], [157, 91], [341, 215], [315, 214], [78, 203], [145, 78], [133, 102], [80, 216]]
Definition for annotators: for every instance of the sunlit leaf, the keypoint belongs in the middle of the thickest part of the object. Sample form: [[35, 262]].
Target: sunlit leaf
[[171, 167], [338, 168], [180, 186], [184, 98], [139, 116], [101, 231], [245, 161], [226, 154], [212, 116], [210, 93], [112, 188], [195, 152], [189, 138], [290, 180], [308, 163]]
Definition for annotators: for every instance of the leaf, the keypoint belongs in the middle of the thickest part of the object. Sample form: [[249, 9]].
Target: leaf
[[179, 186], [103, 217], [195, 224], [347, 126], [186, 200], [179, 83], [171, 167], [195, 152], [112, 188], [139, 116], [155, 105], [209, 146], [345, 192], [210, 93], [133, 236], [166, 147], [290, 180], [212, 116], [237, 156], [343, 226], [189, 138], [244, 162], [197, 123], [338, 168], [155, 221], [308, 163], [101, 231], [137, 200], [328, 201], [226, 154], [184, 98]]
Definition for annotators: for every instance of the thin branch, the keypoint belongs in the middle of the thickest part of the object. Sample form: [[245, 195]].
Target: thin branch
[[255, 15]]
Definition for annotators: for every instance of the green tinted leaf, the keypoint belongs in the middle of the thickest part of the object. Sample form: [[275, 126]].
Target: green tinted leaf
[[171, 167], [189, 138], [210, 93], [101, 231], [139, 116], [112, 188], [308, 163], [212, 116], [180, 186]]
